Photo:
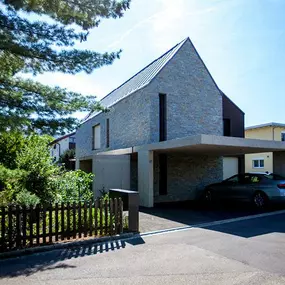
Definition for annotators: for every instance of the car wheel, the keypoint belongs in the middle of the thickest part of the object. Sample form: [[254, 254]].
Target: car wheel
[[260, 200]]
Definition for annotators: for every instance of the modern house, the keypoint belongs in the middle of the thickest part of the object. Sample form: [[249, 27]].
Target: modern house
[[168, 132], [263, 161], [61, 144]]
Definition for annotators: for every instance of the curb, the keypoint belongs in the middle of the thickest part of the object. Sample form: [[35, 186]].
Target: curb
[[66, 244]]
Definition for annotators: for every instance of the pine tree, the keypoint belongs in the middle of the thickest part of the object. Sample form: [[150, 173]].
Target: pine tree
[[36, 47]]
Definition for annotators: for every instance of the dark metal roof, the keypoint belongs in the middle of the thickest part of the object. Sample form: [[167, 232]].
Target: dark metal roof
[[139, 80]]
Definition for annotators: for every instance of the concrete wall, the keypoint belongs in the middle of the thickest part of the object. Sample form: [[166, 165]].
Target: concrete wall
[[111, 171], [187, 176], [230, 166]]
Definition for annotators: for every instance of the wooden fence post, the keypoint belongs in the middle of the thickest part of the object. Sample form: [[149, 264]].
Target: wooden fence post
[[90, 219], [44, 225], [50, 224], [10, 227], [31, 226], [38, 224], [101, 217], [74, 220], [111, 216], [85, 219], [24, 226], [68, 221], [56, 221], [62, 221], [96, 217], [3, 228]]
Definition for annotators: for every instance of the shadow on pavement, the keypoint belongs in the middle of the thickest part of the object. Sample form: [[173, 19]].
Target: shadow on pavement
[[253, 227], [189, 213], [30, 264]]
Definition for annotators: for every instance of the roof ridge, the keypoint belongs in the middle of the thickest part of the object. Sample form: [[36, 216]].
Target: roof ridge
[[146, 67], [139, 80]]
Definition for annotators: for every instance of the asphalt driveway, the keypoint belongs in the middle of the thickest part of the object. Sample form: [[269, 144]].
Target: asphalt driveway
[[251, 251], [167, 216]]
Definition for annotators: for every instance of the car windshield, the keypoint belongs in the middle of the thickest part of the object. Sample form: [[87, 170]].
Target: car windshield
[[272, 176]]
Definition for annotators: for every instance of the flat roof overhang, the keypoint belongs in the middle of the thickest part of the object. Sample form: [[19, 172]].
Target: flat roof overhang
[[207, 145]]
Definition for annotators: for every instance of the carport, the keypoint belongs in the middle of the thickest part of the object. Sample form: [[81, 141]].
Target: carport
[[192, 163]]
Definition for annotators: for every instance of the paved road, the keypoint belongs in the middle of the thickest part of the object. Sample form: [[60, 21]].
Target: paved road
[[244, 252]]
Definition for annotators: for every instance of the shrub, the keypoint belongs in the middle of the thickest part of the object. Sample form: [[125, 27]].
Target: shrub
[[74, 186], [26, 198]]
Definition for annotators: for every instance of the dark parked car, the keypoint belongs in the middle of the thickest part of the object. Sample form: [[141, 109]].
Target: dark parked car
[[258, 188]]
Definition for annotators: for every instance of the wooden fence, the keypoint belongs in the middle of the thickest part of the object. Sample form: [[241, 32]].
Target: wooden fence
[[23, 227]]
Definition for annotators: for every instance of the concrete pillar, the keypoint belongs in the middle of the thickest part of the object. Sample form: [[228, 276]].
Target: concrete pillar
[[145, 178], [77, 164], [279, 162]]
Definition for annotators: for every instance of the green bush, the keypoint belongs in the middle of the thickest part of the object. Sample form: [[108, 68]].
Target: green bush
[[26, 198], [34, 178], [74, 186]]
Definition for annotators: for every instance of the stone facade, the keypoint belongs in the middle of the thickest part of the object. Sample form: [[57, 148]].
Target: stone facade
[[194, 106], [187, 176], [194, 103], [129, 125]]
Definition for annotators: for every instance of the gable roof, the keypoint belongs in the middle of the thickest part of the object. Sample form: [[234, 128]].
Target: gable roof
[[139, 80], [266, 125], [62, 138]]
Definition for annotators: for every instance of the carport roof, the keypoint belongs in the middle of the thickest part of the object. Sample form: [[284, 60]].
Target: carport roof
[[208, 145]]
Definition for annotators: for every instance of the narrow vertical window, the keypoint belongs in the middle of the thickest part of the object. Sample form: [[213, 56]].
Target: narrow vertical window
[[107, 133], [96, 137], [162, 117], [162, 174], [227, 127]]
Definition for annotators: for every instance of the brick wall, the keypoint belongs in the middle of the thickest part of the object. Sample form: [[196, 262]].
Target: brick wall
[[187, 176]]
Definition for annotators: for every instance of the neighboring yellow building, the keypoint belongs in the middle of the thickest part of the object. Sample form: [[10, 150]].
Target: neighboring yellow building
[[261, 162]]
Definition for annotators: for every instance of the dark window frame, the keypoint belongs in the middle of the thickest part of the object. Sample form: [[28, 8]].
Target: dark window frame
[[107, 132], [227, 132], [162, 117]]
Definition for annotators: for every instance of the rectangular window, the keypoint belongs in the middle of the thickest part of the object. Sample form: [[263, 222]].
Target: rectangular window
[[107, 133], [96, 137], [162, 174], [227, 127], [162, 117], [72, 139], [283, 137], [258, 163]]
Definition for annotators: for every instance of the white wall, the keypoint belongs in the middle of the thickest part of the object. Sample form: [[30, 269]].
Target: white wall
[[111, 171], [60, 147], [230, 167]]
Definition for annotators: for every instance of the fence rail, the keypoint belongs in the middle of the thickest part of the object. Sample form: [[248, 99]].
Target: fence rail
[[22, 227]]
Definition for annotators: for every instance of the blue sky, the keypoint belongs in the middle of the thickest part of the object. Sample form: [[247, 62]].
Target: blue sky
[[242, 42]]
